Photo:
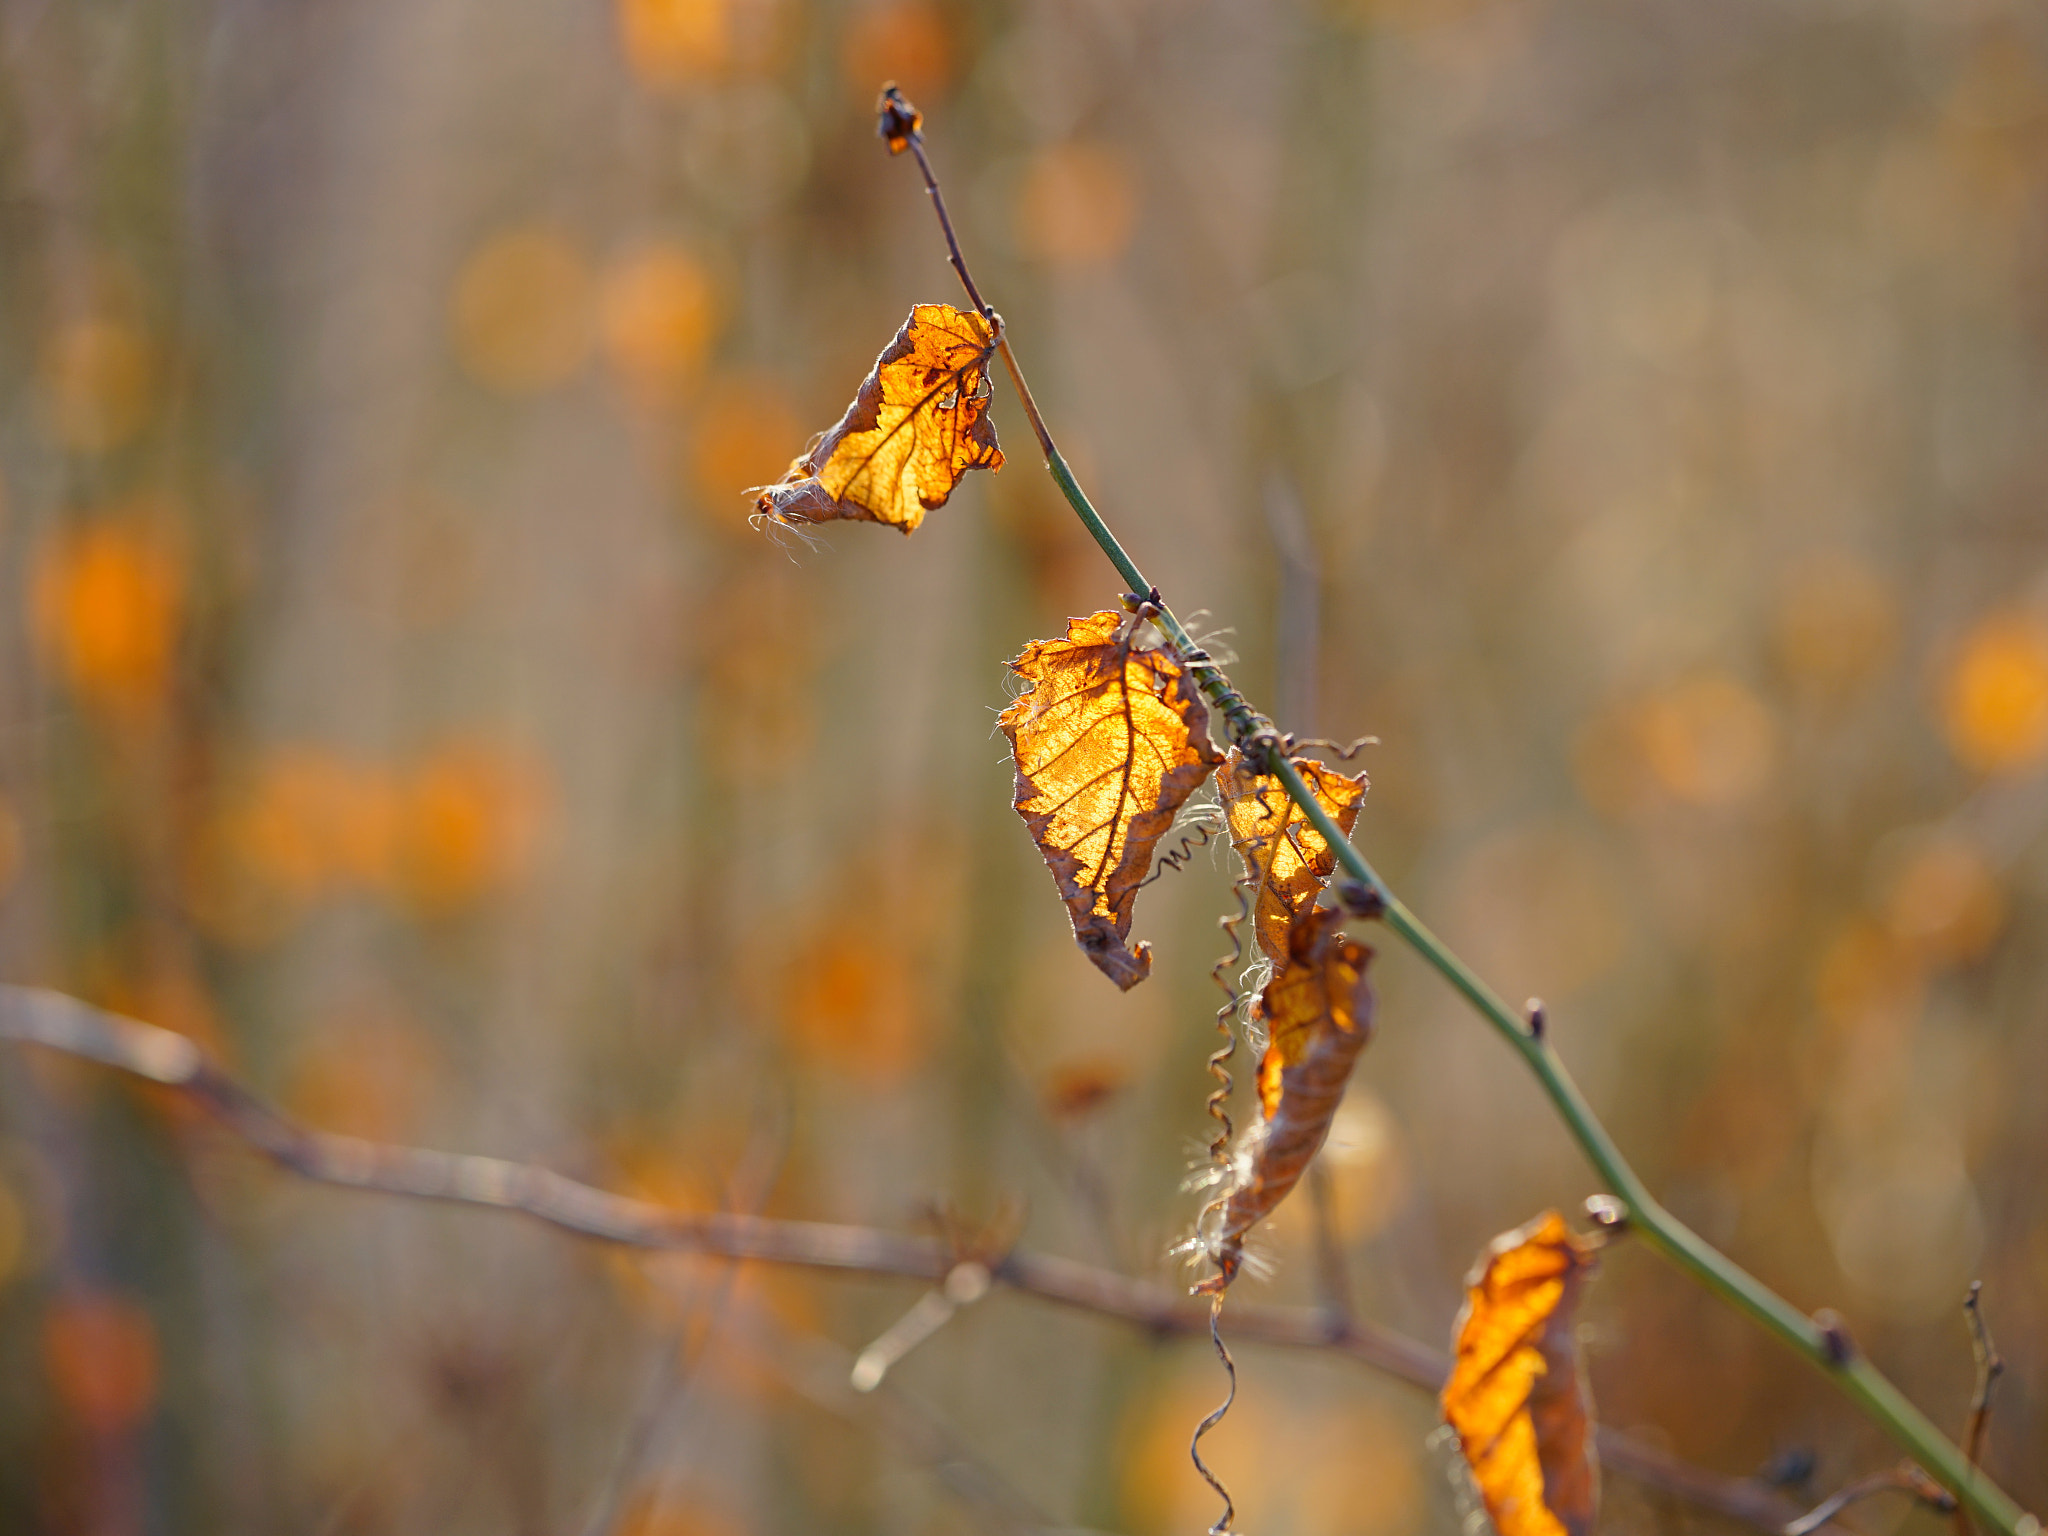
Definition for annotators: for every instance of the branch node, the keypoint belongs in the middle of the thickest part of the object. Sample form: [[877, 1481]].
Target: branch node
[[1360, 899], [1608, 1212], [1835, 1339], [1533, 1012]]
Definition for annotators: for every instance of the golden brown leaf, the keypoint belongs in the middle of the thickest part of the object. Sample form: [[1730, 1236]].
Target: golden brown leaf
[[917, 424], [1318, 1011], [1517, 1396], [1110, 741], [1285, 857]]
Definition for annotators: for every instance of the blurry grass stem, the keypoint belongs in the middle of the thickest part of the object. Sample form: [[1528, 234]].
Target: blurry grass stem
[[62, 1023], [1264, 746]]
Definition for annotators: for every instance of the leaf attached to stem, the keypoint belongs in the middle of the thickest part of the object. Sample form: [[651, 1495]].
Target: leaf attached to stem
[[917, 424], [1110, 741], [1285, 857]]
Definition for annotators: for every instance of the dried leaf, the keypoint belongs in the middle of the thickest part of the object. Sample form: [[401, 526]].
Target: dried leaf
[[1517, 1395], [899, 119], [1285, 857], [1318, 1011], [1110, 741], [918, 423]]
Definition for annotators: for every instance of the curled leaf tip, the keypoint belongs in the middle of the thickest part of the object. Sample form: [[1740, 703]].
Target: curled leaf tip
[[1110, 740], [1318, 1013], [899, 118], [917, 424]]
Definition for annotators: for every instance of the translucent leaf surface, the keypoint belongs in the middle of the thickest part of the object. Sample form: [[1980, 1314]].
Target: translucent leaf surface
[[1517, 1395], [918, 423], [1110, 741]]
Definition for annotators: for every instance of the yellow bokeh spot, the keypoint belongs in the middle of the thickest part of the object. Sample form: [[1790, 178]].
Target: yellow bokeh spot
[[1943, 901], [470, 822], [520, 319], [1837, 624], [315, 820], [106, 601], [1994, 700], [98, 381], [906, 41], [1077, 205], [854, 1007], [1707, 740], [659, 313], [675, 42]]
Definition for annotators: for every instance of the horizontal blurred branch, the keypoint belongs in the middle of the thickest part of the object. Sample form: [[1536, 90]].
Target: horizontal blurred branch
[[161, 1056]]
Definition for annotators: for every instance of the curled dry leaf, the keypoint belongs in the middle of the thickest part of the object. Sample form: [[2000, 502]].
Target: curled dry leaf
[[1285, 857], [1110, 741], [898, 118], [1517, 1396], [1318, 1011], [918, 423]]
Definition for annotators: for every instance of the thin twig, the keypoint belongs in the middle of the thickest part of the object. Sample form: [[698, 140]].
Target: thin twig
[[959, 264], [1901, 1479], [1989, 1368], [1367, 893], [65, 1024]]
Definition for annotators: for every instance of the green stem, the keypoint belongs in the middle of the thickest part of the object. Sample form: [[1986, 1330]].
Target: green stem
[[1852, 1372], [1253, 733]]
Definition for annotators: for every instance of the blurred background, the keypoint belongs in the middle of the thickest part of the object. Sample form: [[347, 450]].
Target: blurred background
[[1631, 414]]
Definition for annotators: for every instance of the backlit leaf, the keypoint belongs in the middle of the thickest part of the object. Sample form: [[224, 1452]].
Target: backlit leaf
[[1287, 858], [1318, 1011], [1110, 741], [1517, 1396], [919, 422]]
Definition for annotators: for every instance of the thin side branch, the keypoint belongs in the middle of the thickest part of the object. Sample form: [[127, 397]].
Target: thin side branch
[[65, 1024], [1989, 1367], [1901, 1479]]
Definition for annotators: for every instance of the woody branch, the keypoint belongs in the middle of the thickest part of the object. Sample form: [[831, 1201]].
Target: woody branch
[[59, 1022]]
